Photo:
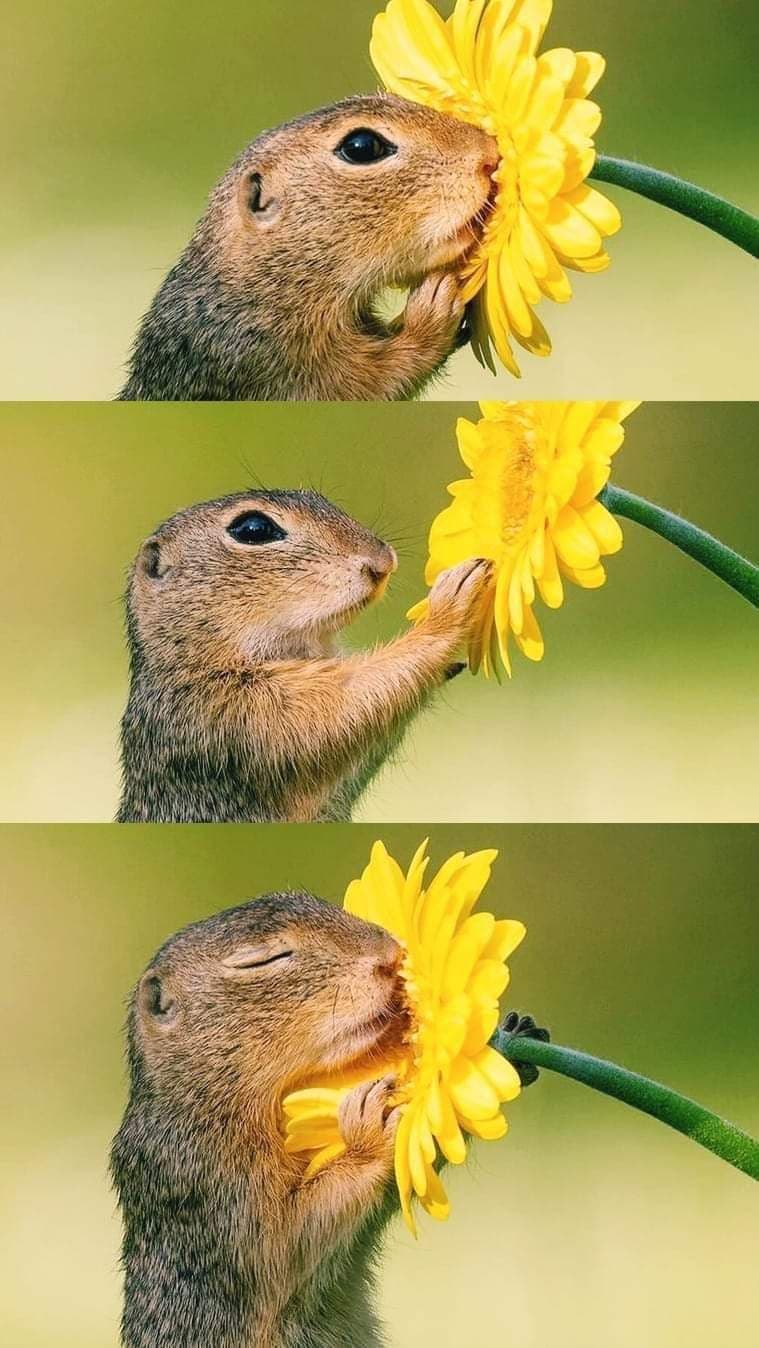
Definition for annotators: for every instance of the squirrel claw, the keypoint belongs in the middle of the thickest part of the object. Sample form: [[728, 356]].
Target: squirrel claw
[[453, 671], [367, 1121], [434, 311], [464, 334], [455, 596]]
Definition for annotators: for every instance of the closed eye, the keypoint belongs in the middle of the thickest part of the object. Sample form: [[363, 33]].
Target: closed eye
[[272, 959], [256, 958]]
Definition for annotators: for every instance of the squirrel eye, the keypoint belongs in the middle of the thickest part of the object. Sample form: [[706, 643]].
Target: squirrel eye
[[364, 147], [254, 527], [255, 957]]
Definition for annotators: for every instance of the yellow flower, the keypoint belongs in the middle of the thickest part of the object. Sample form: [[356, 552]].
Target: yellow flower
[[450, 1082], [481, 66], [529, 505]]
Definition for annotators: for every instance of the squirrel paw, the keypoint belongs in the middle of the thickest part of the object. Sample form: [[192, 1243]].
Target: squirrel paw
[[367, 1119], [434, 315], [455, 597]]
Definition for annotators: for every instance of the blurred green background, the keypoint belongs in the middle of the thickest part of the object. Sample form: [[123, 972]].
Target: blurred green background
[[590, 1226], [644, 707], [117, 120]]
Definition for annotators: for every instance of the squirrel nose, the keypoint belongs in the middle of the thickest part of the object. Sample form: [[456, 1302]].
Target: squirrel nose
[[490, 156], [382, 565], [388, 961]]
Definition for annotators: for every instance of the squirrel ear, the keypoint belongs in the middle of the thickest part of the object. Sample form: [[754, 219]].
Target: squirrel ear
[[151, 560], [155, 999], [257, 201]]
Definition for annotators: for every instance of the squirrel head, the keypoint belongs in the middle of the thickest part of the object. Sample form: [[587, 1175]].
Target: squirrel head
[[237, 1009], [255, 575], [371, 191]]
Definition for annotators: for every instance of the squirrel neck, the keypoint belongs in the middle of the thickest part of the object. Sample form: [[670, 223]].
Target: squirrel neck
[[209, 336], [200, 654]]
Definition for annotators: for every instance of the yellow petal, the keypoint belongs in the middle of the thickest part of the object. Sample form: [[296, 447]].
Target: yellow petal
[[536, 340], [546, 100], [540, 178], [577, 420], [507, 935], [468, 880], [463, 30], [603, 439], [520, 88], [499, 1072], [466, 948], [497, 73], [596, 208], [561, 63], [593, 477], [598, 263], [489, 1129], [444, 1124], [483, 1023], [549, 581], [469, 443], [489, 980], [418, 611], [578, 120], [312, 1139], [589, 67], [403, 1171], [516, 603], [569, 231], [520, 317], [532, 245], [410, 42], [603, 527], [313, 1101], [619, 411], [435, 1201], [573, 540], [416, 1160], [530, 639], [497, 318], [590, 578], [524, 277], [470, 1091], [577, 165], [323, 1158], [533, 15], [491, 54]]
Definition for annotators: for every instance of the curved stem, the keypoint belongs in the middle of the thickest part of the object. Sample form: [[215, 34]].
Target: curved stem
[[699, 1124], [736, 571], [733, 223]]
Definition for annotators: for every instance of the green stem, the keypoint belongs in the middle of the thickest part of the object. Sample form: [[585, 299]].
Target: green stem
[[736, 571], [715, 212], [699, 1124]]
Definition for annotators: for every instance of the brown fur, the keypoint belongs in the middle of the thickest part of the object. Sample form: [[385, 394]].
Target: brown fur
[[225, 1245], [278, 302], [241, 707]]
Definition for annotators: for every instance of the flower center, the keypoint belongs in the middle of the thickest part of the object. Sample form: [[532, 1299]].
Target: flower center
[[515, 442]]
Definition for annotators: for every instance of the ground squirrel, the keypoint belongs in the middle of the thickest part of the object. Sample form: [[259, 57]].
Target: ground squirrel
[[225, 1245], [274, 296], [240, 706]]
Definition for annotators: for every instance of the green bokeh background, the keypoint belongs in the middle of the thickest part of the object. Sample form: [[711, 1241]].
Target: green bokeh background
[[644, 707], [117, 120], [590, 1226]]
